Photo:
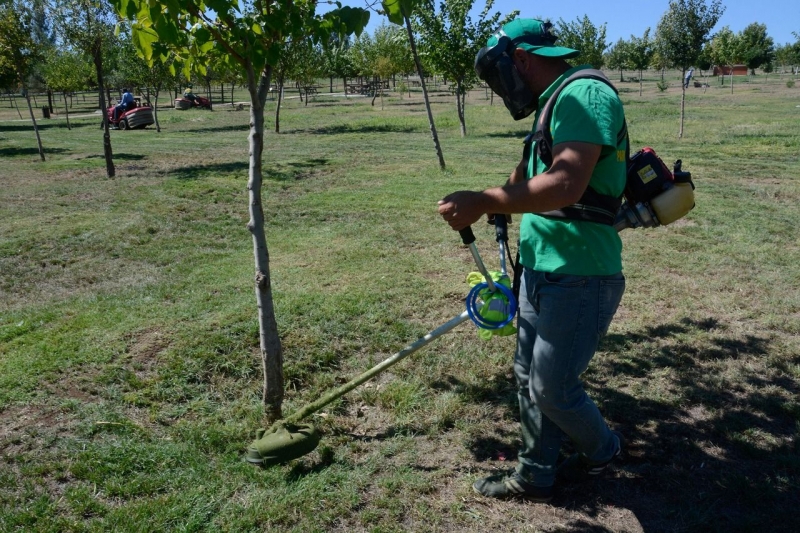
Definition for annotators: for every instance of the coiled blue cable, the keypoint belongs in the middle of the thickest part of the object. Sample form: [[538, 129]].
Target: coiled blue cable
[[473, 309]]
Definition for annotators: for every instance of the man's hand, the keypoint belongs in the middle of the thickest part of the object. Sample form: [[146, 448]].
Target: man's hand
[[461, 209]]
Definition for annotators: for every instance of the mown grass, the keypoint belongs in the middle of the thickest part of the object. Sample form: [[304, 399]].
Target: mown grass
[[129, 367]]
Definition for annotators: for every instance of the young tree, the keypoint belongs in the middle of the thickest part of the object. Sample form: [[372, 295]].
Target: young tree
[[66, 72], [307, 67], [727, 50], [758, 47], [19, 51], [641, 54], [450, 41], [400, 13], [88, 25], [253, 35], [584, 36], [681, 33], [618, 57]]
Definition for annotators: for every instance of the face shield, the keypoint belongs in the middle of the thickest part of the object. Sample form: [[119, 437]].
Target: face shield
[[495, 66]]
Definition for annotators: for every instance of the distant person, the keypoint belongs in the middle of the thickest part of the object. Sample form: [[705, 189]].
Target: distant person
[[189, 95], [126, 103], [688, 77]]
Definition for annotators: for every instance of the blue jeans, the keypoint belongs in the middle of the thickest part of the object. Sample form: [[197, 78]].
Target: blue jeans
[[561, 320]]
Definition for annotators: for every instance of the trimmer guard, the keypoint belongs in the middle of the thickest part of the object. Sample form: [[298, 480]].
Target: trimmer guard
[[288, 442]]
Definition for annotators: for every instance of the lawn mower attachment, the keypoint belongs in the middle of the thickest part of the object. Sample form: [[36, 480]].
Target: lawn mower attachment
[[289, 439]]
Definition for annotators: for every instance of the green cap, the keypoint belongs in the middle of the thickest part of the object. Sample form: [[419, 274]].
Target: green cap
[[534, 36]]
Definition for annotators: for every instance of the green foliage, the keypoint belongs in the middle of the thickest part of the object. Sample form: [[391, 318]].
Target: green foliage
[[684, 28], [662, 85], [581, 34], [19, 50], [67, 71], [252, 36], [726, 48], [619, 56], [759, 48], [790, 83], [641, 51], [450, 40]]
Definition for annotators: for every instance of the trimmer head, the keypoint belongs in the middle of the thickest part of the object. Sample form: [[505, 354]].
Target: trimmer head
[[287, 442]]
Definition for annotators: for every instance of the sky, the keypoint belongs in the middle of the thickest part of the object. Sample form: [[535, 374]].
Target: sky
[[624, 18]]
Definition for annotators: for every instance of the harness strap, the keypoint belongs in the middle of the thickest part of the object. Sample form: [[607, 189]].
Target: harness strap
[[592, 206]]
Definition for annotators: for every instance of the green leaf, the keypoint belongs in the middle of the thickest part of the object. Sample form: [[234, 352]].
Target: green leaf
[[256, 28], [397, 10], [143, 38]]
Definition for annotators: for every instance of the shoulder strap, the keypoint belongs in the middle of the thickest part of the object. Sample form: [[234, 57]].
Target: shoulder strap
[[542, 136], [592, 206]]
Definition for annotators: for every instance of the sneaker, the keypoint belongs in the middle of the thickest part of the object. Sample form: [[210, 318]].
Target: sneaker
[[576, 469], [512, 485]]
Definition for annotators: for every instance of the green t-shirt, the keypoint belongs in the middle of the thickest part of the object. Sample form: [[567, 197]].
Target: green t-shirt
[[586, 111]]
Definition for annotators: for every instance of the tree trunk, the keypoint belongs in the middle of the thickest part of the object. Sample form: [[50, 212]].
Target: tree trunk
[[109, 156], [461, 101], [14, 105], [731, 79], [278, 107], [156, 91], [683, 106], [66, 111], [640, 82], [424, 91], [232, 86], [35, 127], [269, 340], [50, 100]]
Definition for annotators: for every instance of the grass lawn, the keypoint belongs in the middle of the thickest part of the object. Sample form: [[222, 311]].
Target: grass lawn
[[130, 376]]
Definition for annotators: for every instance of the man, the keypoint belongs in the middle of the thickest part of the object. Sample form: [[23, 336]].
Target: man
[[572, 278], [688, 77], [126, 103]]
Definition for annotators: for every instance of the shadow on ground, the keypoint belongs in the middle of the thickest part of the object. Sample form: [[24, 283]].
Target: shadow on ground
[[348, 128], [15, 152], [724, 456], [287, 172], [44, 126]]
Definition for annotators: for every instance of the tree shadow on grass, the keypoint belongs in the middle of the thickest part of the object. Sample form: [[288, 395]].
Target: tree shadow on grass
[[44, 126], [347, 128], [14, 152], [713, 446], [285, 172], [244, 128], [119, 157], [510, 134]]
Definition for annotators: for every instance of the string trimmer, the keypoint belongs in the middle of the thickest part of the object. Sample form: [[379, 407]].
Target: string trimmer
[[491, 305]]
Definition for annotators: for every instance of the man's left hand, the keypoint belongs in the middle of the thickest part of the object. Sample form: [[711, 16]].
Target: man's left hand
[[461, 209]]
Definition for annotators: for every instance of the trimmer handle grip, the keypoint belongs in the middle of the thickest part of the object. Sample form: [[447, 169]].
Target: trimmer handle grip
[[500, 228], [467, 237]]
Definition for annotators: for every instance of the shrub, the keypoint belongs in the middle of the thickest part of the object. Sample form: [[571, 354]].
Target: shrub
[[662, 85], [790, 83]]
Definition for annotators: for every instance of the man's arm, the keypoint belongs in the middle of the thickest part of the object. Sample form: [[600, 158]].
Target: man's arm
[[563, 184]]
